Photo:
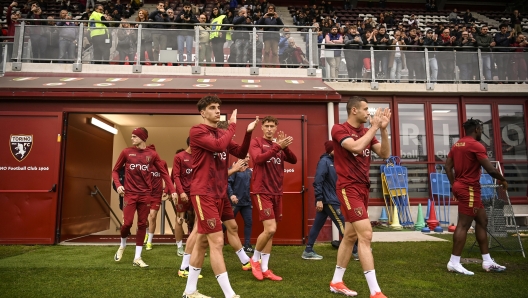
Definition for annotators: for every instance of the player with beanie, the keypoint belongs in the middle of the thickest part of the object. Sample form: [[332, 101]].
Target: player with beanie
[[326, 201], [139, 161]]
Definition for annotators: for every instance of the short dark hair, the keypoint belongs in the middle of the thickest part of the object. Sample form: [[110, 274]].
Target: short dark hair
[[162, 2], [270, 119], [503, 26], [206, 101], [188, 141], [186, 4], [471, 125], [353, 102], [179, 150]]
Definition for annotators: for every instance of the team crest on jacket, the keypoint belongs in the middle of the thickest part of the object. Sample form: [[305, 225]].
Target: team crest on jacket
[[358, 211], [211, 223], [267, 212], [20, 146], [148, 158]]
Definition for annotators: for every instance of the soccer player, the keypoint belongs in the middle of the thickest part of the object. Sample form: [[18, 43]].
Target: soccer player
[[268, 154], [182, 174], [327, 203], [466, 158], [353, 144], [155, 200], [137, 189], [210, 147]]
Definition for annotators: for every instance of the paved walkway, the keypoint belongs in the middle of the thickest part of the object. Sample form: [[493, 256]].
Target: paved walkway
[[403, 236]]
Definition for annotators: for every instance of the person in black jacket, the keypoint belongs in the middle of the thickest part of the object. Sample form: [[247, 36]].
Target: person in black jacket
[[271, 35], [326, 201], [241, 37], [415, 57], [503, 40], [353, 55], [158, 36], [185, 36], [465, 59], [238, 191], [381, 54]]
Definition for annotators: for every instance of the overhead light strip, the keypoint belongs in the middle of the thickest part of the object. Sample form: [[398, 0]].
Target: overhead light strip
[[102, 125]]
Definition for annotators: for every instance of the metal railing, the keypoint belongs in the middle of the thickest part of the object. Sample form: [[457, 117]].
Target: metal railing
[[200, 45]]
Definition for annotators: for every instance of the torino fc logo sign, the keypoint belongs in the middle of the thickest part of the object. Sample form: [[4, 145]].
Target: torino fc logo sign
[[21, 146]]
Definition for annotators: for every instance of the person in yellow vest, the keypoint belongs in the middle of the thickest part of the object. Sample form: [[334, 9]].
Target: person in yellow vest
[[218, 37], [99, 35]]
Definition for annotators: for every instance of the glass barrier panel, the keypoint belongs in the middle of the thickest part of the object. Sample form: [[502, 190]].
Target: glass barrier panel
[[517, 65], [467, 66], [414, 66], [356, 65], [166, 46], [446, 66], [293, 47], [380, 65]]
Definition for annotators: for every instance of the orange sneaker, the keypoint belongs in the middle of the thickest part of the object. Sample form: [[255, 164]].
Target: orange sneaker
[[340, 288], [378, 295], [269, 274], [255, 268]]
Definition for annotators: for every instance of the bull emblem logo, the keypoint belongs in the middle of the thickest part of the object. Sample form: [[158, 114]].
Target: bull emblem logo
[[148, 158], [267, 212], [358, 211], [211, 223], [20, 146]]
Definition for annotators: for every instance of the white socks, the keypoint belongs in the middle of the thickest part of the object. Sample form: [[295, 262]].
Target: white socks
[[123, 242], [338, 274], [372, 281], [192, 279], [265, 260], [256, 256], [487, 258], [139, 249], [185, 261], [242, 256], [223, 280], [150, 236], [456, 259], [179, 243]]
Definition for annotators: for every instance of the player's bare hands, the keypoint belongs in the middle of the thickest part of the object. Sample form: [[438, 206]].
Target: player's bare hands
[[385, 118], [319, 206], [233, 116], [375, 120], [174, 196], [284, 140], [237, 166], [121, 190], [183, 197], [252, 125], [234, 199], [504, 184], [455, 199]]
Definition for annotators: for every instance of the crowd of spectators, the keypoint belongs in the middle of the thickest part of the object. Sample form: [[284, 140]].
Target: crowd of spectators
[[229, 24]]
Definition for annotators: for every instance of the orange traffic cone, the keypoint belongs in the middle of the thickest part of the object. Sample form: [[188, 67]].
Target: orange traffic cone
[[432, 222]]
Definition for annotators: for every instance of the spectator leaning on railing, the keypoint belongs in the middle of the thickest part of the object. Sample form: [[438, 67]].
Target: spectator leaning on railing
[[519, 70], [205, 49], [353, 57], [382, 43], [271, 35], [146, 36], [186, 33], [241, 37], [430, 42], [414, 56], [67, 38], [12, 21], [502, 42], [283, 43], [218, 36], [396, 58], [464, 61], [159, 37], [485, 43], [446, 63], [99, 35], [333, 41], [127, 43]]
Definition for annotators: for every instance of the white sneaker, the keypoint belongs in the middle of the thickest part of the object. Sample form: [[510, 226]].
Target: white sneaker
[[194, 295], [492, 266], [139, 263], [458, 268], [119, 254]]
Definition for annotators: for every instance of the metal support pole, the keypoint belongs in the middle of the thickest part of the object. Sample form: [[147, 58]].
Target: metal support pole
[[18, 64], [331, 121], [162, 221], [196, 68], [428, 84], [483, 85], [373, 85], [77, 65], [4, 60], [311, 69], [253, 70], [137, 68]]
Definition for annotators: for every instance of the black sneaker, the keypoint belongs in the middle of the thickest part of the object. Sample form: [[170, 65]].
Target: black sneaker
[[248, 249]]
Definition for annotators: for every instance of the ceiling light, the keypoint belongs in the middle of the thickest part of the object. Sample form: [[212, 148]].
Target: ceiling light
[[103, 125], [441, 111]]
